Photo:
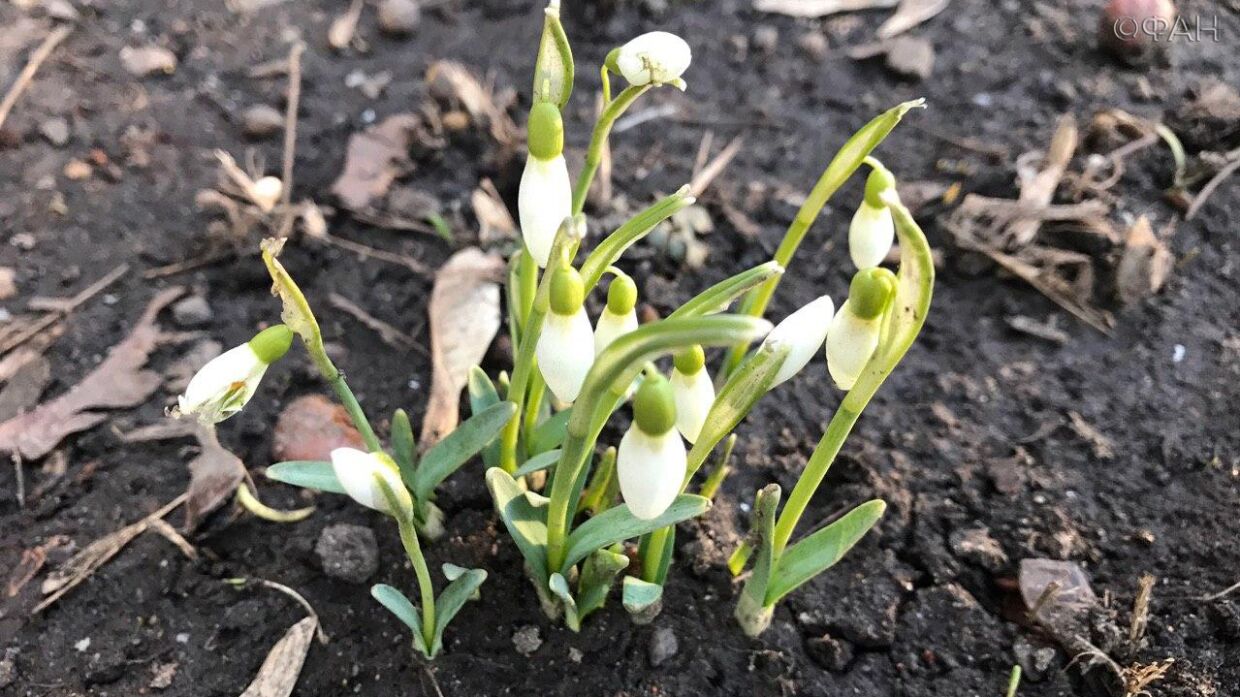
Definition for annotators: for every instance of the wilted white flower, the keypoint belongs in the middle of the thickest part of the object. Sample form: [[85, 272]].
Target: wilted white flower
[[803, 332], [619, 317], [657, 57], [565, 349], [693, 392], [223, 386], [545, 197], [357, 471], [873, 230], [651, 459]]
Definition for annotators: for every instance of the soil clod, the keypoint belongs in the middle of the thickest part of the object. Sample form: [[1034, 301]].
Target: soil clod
[[348, 552]]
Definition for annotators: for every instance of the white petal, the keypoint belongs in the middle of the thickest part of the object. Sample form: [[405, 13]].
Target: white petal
[[870, 235], [850, 344], [693, 395], [565, 353], [544, 200], [221, 387], [657, 57], [611, 326], [356, 470], [803, 332], [651, 470]]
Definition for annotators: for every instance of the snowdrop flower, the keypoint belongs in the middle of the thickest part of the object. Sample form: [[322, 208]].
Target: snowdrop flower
[[854, 332], [619, 316], [224, 385], [656, 57], [651, 459], [545, 198], [358, 472], [873, 230], [802, 332], [565, 349], [693, 392]]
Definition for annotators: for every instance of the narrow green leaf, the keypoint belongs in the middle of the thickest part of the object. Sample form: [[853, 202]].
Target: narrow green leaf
[[538, 463], [559, 586], [597, 574], [403, 450], [457, 447], [821, 550], [399, 605], [719, 296], [550, 433], [612, 247], [618, 524], [642, 600], [452, 599], [311, 474], [526, 524], [482, 394], [752, 610]]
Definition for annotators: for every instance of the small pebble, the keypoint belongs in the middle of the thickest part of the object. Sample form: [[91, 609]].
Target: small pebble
[[82, 644], [1178, 353], [192, 312], [814, 44], [526, 640], [399, 17], [348, 552], [911, 56], [663, 646], [8, 668], [261, 121], [55, 130], [765, 39], [8, 282]]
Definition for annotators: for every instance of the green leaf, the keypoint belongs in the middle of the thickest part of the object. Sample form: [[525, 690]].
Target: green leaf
[[597, 575], [311, 474], [821, 550], [559, 586], [538, 463], [457, 447], [618, 524], [403, 450], [642, 600], [553, 67], [752, 610], [719, 296], [612, 247], [550, 433], [526, 524], [482, 394], [452, 599], [399, 605]]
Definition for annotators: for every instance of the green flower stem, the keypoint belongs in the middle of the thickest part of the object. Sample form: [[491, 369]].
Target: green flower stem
[[533, 402], [409, 538], [602, 128], [815, 470], [355, 412]]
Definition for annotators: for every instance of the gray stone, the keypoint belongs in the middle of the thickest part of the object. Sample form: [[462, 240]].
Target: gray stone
[[976, 546], [8, 667], [814, 44], [261, 121], [1034, 659], [56, 130], [663, 646], [192, 312], [765, 39], [348, 552], [399, 17], [526, 640]]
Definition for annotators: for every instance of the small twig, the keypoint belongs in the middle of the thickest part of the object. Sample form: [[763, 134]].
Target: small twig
[[703, 179], [21, 480], [290, 135], [188, 264], [390, 257], [63, 311], [1209, 189], [390, 334], [997, 152], [301, 600], [1221, 594], [1141, 610], [32, 66]]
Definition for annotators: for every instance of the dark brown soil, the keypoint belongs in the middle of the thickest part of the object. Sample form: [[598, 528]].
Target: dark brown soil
[[969, 442]]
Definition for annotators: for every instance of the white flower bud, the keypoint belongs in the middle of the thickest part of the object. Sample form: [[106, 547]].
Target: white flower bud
[[870, 235], [612, 326], [544, 200], [694, 394], [222, 386], [802, 332], [357, 471], [850, 344], [565, 352], [656, 57], [651, 470]]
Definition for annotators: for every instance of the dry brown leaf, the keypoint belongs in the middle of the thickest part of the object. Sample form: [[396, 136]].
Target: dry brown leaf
[[31, 563], [162, 675], [1037, 187], [819, 8], [464, 317], [451, 81], [374, 159], [96, 554], [1144, 266], [213, 477], [1102, 446], [310, 428], [495, 222], [120, 381], [909, 14], [24, 378], [278, 675], [341, 32]]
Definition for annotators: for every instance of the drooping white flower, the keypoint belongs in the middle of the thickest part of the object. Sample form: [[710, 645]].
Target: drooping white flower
[[545, 197], [873, 230], [619, 317], [850, 344], [693, 392], [223, 386], [656, 57], [565, 348], [357, 470], [651, 459], [803, 332]]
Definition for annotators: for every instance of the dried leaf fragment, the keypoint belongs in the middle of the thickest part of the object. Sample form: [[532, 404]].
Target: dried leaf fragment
[[464, 318], [1144, 265], [374, 159], [280, 670], [819, 8], [909, 14], [213, 477]]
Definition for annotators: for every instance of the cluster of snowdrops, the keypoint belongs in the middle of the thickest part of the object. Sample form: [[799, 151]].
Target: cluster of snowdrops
[[570, 505]]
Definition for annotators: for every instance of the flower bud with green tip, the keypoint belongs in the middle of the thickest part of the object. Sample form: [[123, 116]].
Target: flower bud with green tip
[[545, 197], [657, 57], [223, 386], [651, 459], [565, 349], [854, 332], [693, 390], [803, 332], [358, 472], [619, 317], [873, 230]]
